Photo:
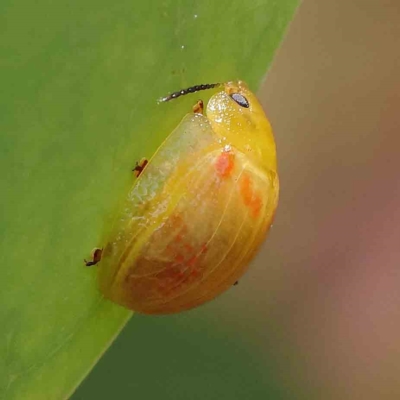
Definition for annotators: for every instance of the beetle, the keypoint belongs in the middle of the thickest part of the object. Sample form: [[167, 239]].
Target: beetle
[[198, 210], [96, 257]]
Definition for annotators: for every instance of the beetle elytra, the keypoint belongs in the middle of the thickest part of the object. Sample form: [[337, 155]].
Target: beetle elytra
[[199, 209]]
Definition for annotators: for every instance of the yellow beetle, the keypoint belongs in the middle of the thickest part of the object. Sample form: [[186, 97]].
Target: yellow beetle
[[198, 211]]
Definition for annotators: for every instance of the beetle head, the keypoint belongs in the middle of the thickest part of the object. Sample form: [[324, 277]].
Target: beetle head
[[238, 118]]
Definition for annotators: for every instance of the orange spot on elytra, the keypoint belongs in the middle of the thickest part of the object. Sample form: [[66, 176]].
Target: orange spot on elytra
[[176, 221], [255, 206], [188, 248], [182, 271], [225, 163], [170, 250], [192, 261], [181, 275], [179, 258], [251, 198], [246, 189]]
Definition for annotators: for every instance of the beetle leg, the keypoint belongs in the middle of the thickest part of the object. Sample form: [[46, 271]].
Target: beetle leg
[[140, 167], [96, 257], [198, 108], [236, 283]]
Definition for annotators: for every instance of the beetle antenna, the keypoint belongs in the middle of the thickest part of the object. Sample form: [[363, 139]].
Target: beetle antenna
[[191, 89]]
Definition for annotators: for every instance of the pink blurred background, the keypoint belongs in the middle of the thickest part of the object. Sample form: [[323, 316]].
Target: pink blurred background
[[330, 270]]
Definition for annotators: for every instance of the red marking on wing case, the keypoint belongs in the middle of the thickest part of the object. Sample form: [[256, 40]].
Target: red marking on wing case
[[256, 205], [182, 272], [179, 259], [225, 163], [251, 197], [246, 189]]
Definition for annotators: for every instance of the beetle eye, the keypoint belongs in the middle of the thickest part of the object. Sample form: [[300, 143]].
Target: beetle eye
[[241, 100]]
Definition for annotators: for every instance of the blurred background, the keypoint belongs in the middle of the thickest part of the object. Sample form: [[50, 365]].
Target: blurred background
[[318, 314]]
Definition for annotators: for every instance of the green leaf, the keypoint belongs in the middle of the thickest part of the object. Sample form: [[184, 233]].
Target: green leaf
[[79, 88]]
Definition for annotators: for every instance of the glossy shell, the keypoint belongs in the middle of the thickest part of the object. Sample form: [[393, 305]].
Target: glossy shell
[[197, 213]]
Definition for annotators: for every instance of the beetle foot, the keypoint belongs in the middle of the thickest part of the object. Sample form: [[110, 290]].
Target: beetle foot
[[140, 167], [198, 108], [96, 257]]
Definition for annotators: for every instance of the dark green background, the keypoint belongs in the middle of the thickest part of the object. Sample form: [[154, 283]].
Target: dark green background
[[190, 356]]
